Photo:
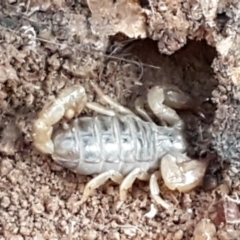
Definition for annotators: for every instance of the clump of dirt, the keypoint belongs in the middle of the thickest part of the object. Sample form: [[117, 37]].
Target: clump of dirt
[[53, 44]]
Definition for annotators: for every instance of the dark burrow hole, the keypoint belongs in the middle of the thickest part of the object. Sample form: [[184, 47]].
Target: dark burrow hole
[[190, 70]]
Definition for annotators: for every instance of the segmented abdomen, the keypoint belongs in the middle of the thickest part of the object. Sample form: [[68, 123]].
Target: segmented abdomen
[[104, 143]]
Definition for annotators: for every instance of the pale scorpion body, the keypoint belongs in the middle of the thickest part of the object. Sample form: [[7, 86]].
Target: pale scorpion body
[[119, 145]]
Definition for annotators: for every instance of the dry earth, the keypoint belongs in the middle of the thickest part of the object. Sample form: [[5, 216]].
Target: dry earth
[[54, 47]]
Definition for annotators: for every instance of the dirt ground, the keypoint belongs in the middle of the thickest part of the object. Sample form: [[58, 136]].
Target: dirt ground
[[37, 196]]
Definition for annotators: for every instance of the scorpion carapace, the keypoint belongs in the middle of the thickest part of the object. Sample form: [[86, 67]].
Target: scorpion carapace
[[119, 145]]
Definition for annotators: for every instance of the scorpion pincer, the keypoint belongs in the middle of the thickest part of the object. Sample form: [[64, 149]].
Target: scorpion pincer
[[118, 144]]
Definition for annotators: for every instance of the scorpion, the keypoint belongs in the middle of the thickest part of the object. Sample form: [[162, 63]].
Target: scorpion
[[120, 145]]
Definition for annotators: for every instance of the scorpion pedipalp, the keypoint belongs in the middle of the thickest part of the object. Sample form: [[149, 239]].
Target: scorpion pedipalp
[[178, 173], [164, 101], [182, 173], [166, 114]]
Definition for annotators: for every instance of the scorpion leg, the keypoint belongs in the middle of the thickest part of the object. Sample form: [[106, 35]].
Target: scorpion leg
[[163, 101], [114, 104], [100, 109], [69, 102], [127, 183], [182, 173], [155, 191], [139, 106], [100, 180]]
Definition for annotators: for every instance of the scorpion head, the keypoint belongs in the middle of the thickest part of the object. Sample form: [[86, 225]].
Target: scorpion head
[[177, 142], [65, 152], [171, 140]]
